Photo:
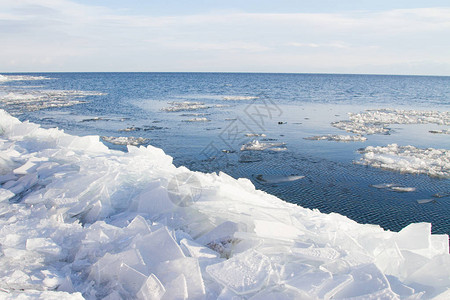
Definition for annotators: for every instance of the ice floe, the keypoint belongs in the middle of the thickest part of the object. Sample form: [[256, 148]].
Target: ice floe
[[125, 140], [408, 159], [240, 98], [256, 145], [197, 120], [88, 221], [443, 131], [277, 178], [394, 187], [21, 101], [377, 121], [185, 106], [5, 78], [338, 138]]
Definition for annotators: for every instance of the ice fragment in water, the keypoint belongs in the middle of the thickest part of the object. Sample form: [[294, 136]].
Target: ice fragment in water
[[402, 189], [277, 178]]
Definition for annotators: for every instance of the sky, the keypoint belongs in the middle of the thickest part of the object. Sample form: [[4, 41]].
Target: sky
[[322, 36]]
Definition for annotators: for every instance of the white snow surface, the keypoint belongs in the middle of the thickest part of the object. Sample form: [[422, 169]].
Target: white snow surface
[[377, 121], [408, 159], [80, 220]]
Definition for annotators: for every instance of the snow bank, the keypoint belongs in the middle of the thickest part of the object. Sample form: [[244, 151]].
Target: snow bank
[[79, 218], [408, 159], [377, 121]]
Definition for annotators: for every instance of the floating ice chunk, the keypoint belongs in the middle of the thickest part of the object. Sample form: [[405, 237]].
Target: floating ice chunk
[[256, 145], [444, 131], [277, 178], [32, 100], [422, 201], [408, 159], [402, 189], [338, 138], [197, 120], [5, 195], [378, 120], [5, 78], [125, 140], [234, 98], [244, 273], [152, 289], [185, 106], [255, 134]]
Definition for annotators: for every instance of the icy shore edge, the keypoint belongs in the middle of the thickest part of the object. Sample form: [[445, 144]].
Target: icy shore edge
[[78, 220]]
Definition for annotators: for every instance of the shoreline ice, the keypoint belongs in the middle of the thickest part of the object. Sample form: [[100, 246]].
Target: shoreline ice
[[78, 219]]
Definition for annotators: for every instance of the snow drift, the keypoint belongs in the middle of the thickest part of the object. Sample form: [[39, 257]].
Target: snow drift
[[80, 220]]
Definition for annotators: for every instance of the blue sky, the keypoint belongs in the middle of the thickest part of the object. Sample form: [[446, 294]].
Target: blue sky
[[370, 37]]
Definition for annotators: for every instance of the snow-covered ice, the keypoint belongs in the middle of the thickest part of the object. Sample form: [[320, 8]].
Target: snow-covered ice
[[80, 220], [408, 159], [338, 138], [197, 120], [185, 106], [377, 121], [240, 97], [20, 101], [256, 145]]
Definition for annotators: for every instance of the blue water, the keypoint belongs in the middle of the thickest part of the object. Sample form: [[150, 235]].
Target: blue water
[[306, 104]]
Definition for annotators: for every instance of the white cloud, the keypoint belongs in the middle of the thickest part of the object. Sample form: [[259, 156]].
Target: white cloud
[[61, 35]]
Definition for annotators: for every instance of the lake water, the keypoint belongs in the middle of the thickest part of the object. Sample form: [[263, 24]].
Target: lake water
[[204, 119]]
